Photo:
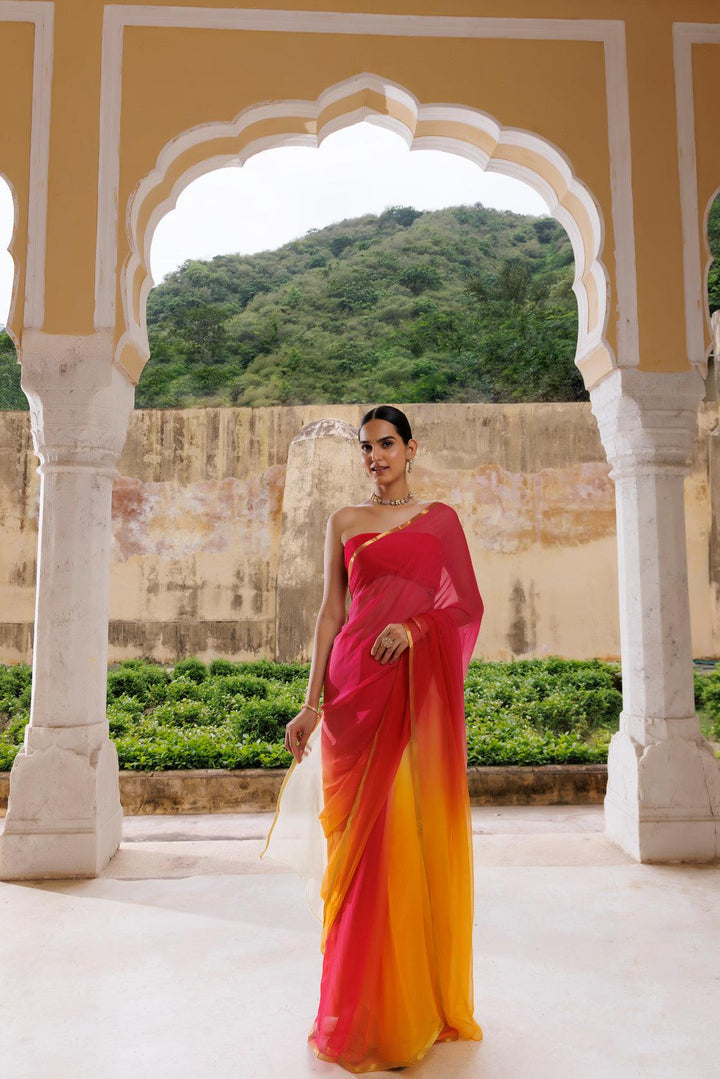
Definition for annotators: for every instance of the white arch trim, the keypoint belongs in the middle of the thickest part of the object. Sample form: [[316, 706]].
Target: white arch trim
[[697, 315], [453, 128], [10, 321], [609, 32]]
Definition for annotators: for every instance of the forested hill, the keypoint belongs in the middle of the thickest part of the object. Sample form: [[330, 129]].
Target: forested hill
[[463, 304]]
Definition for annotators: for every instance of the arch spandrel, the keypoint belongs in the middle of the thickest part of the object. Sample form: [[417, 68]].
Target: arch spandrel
[[706, 61], [368, 96], [16, 248], [16, 86]]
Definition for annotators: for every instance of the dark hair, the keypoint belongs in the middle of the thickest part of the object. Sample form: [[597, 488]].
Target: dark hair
[[393, 415]]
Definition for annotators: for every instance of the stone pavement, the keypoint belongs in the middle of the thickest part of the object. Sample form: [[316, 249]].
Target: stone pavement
[[191, 958]]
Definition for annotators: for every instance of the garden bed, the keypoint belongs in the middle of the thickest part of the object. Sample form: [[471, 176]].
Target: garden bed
[[197, 738]]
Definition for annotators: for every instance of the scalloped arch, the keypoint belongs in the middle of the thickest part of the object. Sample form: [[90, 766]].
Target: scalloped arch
[[709, 261], [452, 128], [13, 319]]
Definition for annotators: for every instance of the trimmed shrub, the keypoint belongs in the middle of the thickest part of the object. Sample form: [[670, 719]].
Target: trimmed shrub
[[276, 672], [14, 679], [136, 678], [183, 713], [191, 668], [244, 685], [8, 753], [178, 748], [263, 720], [124, 714], [222, 667], [15, 730], [184, 688], [711, 703]]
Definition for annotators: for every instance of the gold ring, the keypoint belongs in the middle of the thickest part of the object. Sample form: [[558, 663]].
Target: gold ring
[[386, 642]]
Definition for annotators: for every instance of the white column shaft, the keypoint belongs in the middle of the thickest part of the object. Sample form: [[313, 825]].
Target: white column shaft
[[663, 795], [654, 602], [73, 585]]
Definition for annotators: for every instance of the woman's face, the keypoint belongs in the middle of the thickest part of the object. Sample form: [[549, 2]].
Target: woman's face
[[383, 452]]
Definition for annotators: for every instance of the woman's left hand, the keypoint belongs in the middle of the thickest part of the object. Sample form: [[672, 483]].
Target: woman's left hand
[[390, 644]]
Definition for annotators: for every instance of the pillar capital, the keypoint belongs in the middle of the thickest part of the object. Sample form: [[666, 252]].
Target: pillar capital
[[647, 420], [80, 401]]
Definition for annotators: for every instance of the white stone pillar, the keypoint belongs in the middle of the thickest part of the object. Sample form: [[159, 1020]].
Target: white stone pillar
[[64, 814], [663, 795]]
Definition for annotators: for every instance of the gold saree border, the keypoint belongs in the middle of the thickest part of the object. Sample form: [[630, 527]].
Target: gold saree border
[[418, 814], [284, 784], [379, 536]]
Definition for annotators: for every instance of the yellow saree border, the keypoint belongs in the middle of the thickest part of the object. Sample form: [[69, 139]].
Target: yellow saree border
[[387, 532]]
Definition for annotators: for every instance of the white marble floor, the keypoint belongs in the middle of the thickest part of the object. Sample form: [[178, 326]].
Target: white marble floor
[[190, 958]]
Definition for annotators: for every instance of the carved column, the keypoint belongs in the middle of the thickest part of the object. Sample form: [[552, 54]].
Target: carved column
[[663, 795], [64, 815]]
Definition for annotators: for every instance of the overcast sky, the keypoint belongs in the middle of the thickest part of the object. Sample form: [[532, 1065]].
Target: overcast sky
[[279, 194]]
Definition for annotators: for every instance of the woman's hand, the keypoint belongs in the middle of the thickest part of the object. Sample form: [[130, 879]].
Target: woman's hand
[[396, 642], [297, 732]]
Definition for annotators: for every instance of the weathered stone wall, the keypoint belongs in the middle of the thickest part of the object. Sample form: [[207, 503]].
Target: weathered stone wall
[[212, 555]]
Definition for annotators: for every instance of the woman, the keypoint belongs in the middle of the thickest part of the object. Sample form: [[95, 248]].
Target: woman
[[395, 880]]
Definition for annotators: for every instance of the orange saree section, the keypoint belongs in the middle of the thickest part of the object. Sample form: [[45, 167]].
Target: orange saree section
[[398, 888]]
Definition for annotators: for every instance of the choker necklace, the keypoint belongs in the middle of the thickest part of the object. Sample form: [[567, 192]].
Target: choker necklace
[[392, 501]]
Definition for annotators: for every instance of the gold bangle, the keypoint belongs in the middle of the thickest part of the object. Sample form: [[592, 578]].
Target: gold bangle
[[312, 708]]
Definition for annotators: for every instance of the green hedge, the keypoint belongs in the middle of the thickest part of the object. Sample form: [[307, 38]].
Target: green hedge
[[233, 715], [541, 711]]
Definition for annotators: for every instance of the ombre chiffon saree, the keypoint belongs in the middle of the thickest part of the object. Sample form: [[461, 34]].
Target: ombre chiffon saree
[[393, 865]]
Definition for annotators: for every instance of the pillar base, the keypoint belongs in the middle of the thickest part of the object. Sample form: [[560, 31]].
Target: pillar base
[[64, 814], [663, 799]]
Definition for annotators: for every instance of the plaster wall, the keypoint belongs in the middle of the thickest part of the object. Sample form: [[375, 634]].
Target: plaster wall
[[198, 527]]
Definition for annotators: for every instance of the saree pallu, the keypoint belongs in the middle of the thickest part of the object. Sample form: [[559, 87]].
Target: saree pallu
[[389, 789]]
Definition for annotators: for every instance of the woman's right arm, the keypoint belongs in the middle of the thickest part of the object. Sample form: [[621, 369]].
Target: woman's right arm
[[330, 620]]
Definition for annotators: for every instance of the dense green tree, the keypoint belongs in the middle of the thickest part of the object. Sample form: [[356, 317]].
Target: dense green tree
[[12, 397], [419, 277], [400, 215], [203, 328]]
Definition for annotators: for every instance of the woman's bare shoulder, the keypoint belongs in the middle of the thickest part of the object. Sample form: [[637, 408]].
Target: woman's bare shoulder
[[346, 517]]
